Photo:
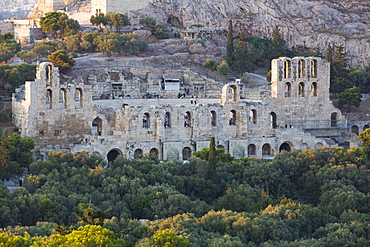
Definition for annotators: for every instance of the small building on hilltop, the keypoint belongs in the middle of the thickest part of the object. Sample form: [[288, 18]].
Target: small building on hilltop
[[297, 114]]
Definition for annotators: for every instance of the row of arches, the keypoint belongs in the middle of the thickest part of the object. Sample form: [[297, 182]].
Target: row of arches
[[301, 89], [62, 98], [301, 69], [355, 129]]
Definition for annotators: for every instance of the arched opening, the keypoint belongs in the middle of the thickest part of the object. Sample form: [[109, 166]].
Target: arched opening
[[138, 154], [49, 77], [354, 129], [288, 88], [233, 93], [154, 153], [334, 120], [187, 119], [314, 68], [220, 147], [213, 118], [287, 69], [266, 150], [113, 154], [62, 99], [238, 152], [252, 150], [174, 21], [301, 89], [318, 145], [186, 153], [314, 89], [167, 120], [273, 120], [232, 120], [285, 146], [97, 127], [49, 99], [301, 65], [366, 127], [78, 98], [146, 121], [253, 116]]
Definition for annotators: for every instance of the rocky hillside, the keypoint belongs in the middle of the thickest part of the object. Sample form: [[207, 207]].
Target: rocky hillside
[[303, 23]]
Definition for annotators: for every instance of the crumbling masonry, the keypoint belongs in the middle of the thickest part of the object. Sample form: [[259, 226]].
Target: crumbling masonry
[[298, 114]]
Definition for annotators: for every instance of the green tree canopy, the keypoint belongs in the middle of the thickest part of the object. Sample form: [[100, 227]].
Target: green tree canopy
[[117, 20], [350, 97], [58, 24], [62, 60]]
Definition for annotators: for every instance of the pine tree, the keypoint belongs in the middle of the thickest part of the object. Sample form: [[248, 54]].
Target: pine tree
[[329, 53], [339, 72], [212, 175], [230, 44], [278, 44]]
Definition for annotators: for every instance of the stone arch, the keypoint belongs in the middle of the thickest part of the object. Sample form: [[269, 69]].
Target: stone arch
[[138, 154], [213, 118], [253, 116], [233, 89], [78, 98], [49, 99], [146, 120], [273, 120], [287, 69], [187, 119], [301, 89], [97, 154], [232, 120], [230, 92], [287, 146], [267, 150], [173, 154], [355, 129], [314, 68], [173, 20], [301, 68], [154, 152], [334, 120], [314, 89], [238, 152], [318, 145], [62, 98], [252, 150], [49, 74], [186, 153], [167, 120], [113, 154], [366, 127], [220, 147], [288, 89], [97, 126]]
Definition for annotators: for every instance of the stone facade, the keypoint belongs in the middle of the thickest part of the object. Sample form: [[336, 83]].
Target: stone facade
[[298, 114]]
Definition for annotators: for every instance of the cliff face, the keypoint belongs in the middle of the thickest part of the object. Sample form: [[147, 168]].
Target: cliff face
[[303, 23]]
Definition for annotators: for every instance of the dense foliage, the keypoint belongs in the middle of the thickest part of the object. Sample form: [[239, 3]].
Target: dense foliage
[[8, 46], [58, 24], [310, 197], [12, 76]]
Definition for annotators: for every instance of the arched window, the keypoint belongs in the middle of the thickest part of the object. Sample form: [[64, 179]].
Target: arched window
[[97, 127], [334, 119], [233, 93], [187, 119], [301, 89], [253, 116], [213, 118], [314, 89], [78, 98], [366, 127], [62, 99], [273, 120], [287, 89], [318, 145], [252, 150], [138, 154], [232, 120], [154, 153], [266, 150], [146, 121], [354, 129], [285, 146], [113, 154], [49, 99], [186, 153], [49, 77], [301, 65], [167, 120], [287, 69], [314, 68]]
